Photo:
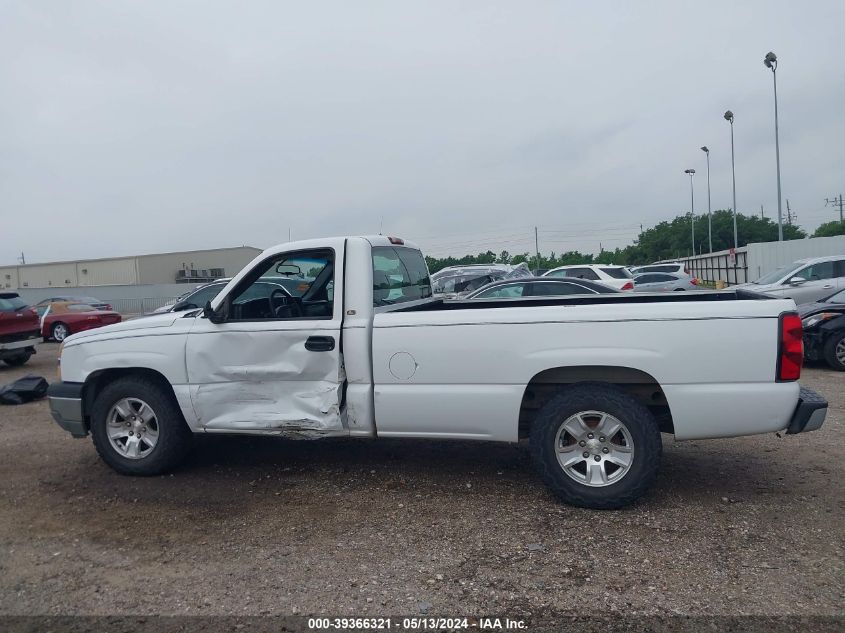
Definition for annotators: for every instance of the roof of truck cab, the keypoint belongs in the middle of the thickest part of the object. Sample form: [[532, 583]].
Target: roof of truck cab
[[333, 242]]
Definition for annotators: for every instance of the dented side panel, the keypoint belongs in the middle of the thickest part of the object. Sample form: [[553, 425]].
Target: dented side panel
[[259, 377]]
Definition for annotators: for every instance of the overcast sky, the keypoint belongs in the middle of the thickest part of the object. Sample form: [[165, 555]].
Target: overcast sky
[[137, 127]]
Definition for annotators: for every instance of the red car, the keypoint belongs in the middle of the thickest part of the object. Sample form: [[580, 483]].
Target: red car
[[64, 318], [18, 329]]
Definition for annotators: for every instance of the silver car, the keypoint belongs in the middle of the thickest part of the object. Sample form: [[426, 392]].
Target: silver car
[[805, 280], [664, 282]]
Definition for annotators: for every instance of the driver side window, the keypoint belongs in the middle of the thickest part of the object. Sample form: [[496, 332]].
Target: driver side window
[[289, 286], [816, 272]]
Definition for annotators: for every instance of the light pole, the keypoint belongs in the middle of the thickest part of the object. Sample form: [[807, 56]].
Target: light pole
[[691, 173], [729, 116], [771, 61], [709, 216]]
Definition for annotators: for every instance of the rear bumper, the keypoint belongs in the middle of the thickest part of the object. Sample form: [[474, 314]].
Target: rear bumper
[[66, 407], [14, 346], [810, 413]]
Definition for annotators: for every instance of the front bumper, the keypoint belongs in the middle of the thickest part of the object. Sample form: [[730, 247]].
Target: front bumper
[[66, 407], [809, 414], [813, 345]]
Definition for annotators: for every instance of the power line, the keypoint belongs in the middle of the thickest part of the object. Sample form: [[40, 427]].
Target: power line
[[835, 203]]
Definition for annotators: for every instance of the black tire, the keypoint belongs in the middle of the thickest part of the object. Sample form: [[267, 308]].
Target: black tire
[[830, 351], [56, 331], [18, 360], [636, 418], [174, 436]]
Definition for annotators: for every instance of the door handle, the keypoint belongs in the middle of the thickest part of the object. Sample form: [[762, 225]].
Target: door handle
[[827, 287], [319, 343]]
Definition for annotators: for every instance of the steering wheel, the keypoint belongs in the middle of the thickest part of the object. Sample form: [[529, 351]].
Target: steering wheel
[[281, 299]]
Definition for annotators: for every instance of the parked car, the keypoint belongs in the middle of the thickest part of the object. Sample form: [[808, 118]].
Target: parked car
[[194, 299], [539, 287], [63, 318], [675, 268], [615, 276], [664, 282], [589, 381], [458, 281], [19, 330], [824, 329], [41, 306], [202, 295], [805, 280]]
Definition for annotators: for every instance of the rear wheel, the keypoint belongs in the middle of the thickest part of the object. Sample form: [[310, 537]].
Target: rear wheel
[[834, 351], [138, 428], [596, 446], [59, 331], [18, 359]]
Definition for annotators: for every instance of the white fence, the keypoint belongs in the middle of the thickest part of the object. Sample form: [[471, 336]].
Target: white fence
[[755, 260]]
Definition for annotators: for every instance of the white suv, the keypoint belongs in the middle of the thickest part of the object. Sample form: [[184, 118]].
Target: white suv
[[674, 268], [617, 277]]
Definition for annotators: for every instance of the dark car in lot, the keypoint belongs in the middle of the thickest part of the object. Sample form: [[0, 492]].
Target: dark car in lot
[[824, 329], [19, 331]]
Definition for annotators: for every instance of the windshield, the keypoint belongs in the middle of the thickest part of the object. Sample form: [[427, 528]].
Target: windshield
[[11, 303], [839, 297], [777, 274]]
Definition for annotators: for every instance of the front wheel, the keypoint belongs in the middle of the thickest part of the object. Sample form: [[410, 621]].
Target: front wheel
[[834, 351], [138, 428], [596, 446]]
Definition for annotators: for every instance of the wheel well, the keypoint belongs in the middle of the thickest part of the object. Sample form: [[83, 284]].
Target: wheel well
[[636, 383], [95, 383]]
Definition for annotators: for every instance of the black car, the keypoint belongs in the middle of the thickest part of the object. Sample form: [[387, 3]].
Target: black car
[[539, 287], [824, 329]]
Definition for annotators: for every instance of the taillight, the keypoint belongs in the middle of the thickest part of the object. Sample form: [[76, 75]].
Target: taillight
[[790, 347], [629, 285], [694, 281]]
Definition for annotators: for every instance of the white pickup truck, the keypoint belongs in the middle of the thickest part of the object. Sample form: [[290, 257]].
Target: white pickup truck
[[360, 348]]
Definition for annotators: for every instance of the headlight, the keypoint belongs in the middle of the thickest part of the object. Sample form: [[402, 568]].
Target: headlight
[[815, 319]]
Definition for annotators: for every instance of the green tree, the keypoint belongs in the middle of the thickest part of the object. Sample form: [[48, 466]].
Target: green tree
[[829, 229], [667, 240]]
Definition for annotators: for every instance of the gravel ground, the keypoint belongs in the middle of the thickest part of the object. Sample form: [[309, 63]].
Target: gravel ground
[[356, 527]]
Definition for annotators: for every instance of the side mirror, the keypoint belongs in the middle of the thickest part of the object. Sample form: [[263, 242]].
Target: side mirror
[[209, 313], [797, 281]]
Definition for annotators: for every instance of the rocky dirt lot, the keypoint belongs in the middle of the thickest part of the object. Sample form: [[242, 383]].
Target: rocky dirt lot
[[253, 526]]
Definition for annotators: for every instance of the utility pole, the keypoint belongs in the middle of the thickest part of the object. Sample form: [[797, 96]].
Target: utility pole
[[762, 217], [23, 259], [827, 201], [537, 249], [788, 213]]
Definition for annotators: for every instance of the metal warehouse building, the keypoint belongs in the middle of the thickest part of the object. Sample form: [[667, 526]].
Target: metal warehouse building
[[162, 268]]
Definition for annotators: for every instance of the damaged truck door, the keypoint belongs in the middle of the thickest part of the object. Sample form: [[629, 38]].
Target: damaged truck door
[[267, 359]]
